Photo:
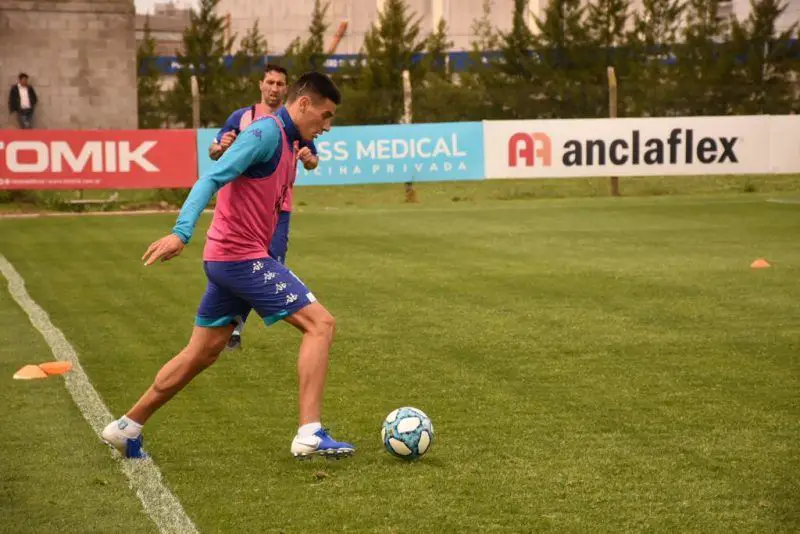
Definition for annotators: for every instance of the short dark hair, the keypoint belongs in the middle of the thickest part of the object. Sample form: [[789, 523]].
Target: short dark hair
[[22, 75], [272, 67], [314, 84]]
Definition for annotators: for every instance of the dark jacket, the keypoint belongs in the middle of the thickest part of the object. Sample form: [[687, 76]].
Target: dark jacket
[[14, 100]]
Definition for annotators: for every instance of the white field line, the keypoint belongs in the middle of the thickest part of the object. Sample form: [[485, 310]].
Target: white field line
[[784, 200], [143, 475]]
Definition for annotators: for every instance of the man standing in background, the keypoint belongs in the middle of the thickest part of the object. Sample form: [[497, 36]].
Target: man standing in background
[[22, 101]]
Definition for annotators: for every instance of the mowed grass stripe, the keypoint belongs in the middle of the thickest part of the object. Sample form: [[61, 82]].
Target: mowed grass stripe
[[55, 475], [604, 365]]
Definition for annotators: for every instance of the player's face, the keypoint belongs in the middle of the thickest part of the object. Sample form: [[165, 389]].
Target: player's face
[[316, 116], [274, 88]]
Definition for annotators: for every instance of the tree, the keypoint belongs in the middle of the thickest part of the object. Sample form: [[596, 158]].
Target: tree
[[484, 82], [565, 65], [705, 62], [764, 59], [486, 37], [517, 45], [309, 55], [148, 87], [606, 22], [391, 45], [652, 84], [516, 89], [436, 48], [247, 69], [444, 97], [206, 47]]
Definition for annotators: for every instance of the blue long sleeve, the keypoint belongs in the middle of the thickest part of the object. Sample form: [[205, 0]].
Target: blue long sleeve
[[257, 143]]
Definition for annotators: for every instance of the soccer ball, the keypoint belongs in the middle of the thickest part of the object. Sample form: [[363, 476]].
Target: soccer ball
[[407, 433]]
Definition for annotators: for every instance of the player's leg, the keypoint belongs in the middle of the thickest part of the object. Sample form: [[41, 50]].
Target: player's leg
[[280, 295], [317, 326], [203, 350], [213, 327]]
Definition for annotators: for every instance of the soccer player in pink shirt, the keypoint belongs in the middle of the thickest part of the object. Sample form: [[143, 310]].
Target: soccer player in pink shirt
[[274, 86], [251, 179]]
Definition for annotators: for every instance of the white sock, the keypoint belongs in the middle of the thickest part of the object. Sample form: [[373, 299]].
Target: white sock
[[129, 427], [239, 327], [308, 429]]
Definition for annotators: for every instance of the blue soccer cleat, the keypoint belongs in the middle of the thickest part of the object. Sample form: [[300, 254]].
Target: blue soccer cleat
[[320, 444], [133, 448]]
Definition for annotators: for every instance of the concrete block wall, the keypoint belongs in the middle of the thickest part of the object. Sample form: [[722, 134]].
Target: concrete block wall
[[81, 59]]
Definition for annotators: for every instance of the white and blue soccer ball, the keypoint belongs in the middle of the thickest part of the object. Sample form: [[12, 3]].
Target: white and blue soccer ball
[[407, 433]]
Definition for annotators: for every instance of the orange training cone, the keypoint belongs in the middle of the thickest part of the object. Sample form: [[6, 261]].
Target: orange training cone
[[29, 372], [760, 263], [55, 368]]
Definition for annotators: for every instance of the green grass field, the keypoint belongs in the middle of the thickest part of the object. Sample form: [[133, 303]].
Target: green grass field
[[590, 365]]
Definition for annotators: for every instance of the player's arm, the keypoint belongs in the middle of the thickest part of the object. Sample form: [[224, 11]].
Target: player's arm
[[248, 150], [224, 137], [308, 155]]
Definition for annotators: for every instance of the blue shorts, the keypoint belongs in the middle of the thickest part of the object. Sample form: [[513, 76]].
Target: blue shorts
[[280, 239], [235, 287]]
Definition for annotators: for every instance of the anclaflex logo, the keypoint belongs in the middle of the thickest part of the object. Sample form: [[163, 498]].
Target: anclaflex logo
[[679, 147], [31, 156]]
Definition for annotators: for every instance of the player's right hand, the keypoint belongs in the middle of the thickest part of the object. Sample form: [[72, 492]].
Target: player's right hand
[[164, 249], [227, 139]]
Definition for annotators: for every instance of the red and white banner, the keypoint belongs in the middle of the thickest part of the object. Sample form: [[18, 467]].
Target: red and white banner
[[97, 159]]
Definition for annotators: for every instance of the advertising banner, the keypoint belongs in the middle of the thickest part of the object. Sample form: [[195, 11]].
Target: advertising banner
[[204, 138], [784, 144], [627, 147], [97, 159], [392, 153], [133, 159], [398, 153]]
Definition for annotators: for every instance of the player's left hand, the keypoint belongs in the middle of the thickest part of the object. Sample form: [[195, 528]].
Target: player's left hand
[[164, 249]]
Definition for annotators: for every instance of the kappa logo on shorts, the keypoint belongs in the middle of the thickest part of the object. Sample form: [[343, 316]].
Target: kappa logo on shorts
[[291, 298], [280, 286], [270, 275], [257, 266]]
